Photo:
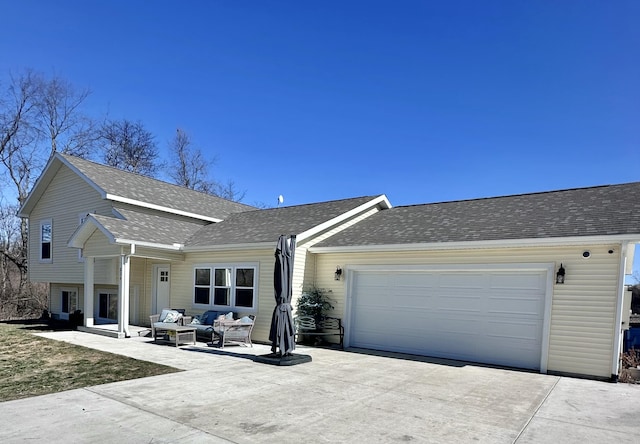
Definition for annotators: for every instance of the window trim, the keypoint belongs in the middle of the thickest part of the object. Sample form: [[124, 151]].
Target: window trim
[[43, 223], [232, 306], [109, 291]]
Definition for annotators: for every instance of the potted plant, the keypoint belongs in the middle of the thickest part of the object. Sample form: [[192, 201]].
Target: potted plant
[[314, 302]]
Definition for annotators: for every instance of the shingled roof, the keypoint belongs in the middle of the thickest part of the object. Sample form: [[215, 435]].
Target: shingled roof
[[266, 225], [148, 228], [597, 211], [128, 187]]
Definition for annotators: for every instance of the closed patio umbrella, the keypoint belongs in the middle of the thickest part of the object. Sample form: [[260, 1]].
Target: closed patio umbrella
[[282, 334]]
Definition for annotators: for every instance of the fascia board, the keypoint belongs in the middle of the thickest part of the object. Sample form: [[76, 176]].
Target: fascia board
[[84, 231], [255, 246], [172, 247], [381, 200], [507, 243], [164, 209]]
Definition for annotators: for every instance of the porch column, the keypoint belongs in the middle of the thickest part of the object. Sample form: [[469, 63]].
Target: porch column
[[89, 266], [123, 300]]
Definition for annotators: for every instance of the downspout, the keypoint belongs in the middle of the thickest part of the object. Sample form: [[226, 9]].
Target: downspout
[[617, 333]]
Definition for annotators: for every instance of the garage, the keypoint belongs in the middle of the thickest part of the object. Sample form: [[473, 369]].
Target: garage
[[489, 314]]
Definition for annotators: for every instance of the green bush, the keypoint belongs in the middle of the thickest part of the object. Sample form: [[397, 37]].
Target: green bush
[[314, 302]]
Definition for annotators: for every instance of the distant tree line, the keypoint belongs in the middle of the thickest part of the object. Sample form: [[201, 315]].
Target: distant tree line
[[41, 115]]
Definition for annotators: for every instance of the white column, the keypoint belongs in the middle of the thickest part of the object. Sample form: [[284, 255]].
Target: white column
[[123, 299], [89, 266]]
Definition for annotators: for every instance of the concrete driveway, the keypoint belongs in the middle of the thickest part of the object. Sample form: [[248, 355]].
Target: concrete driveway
[[224, 396]]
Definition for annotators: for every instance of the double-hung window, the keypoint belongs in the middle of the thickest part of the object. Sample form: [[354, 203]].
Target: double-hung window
[[46, 237], [226, 287]]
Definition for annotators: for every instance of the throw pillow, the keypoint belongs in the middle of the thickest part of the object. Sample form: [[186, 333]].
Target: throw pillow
[[229, 316], [172, 317]]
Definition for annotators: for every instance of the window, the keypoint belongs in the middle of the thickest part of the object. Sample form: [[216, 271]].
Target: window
[[225, 287], [69, 300], [108, 305], [46, 233]]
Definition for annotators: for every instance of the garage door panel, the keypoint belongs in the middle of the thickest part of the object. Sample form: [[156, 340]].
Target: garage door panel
[[462, 281], [483, 316], [514, 281]]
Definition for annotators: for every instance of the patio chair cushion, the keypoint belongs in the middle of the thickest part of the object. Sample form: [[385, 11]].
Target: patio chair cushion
[[170, 316]]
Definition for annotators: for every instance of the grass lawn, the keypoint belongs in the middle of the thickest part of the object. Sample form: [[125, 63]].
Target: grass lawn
[[31, 365]]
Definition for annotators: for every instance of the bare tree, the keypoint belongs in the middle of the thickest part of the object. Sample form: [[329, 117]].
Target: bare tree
[[17, 104], [37, 117], [60, 120], [129, 146], [229, 191], [187, 166]]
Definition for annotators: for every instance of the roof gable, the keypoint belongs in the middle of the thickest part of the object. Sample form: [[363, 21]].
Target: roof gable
[[136, 189], [263, 226], [611, 210]]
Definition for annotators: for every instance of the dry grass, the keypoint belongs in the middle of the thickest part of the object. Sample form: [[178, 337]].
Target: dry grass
[[31, 365]]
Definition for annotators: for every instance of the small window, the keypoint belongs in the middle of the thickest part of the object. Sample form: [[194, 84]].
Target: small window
[[233, 288], [203, 286], [46, 236]]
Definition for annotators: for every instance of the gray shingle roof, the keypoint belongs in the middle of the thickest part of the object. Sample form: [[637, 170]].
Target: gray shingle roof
[[145, 189], [149, 228], [596, 211], [266, 225]]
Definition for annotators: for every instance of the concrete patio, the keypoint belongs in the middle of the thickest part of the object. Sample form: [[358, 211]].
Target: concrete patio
[[351, 396]]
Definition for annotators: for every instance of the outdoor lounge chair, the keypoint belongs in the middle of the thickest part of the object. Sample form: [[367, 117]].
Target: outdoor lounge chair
[[233, 331]]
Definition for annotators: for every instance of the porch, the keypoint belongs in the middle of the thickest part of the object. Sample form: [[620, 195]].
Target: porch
[[112, 330]]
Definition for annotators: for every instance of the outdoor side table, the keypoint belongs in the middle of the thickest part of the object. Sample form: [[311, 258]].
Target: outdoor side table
[[181, 333]]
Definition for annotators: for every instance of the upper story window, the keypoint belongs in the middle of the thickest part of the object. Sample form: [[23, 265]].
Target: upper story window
[[46, 238], [226, 287]]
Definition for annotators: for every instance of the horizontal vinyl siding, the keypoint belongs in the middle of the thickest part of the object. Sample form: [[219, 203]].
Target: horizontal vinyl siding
[[55, 294], [138, 282], [582, 323], [64, 200], [305, 262], [182, 283]]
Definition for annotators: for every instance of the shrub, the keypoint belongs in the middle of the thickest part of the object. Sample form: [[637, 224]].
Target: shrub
[[314, 302]]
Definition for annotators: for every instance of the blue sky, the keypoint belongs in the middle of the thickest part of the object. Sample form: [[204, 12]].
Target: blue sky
[[424, 101]]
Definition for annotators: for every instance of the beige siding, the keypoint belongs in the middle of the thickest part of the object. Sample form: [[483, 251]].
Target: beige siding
[[582, 323], [305, 263], [138, 292], [55, 296], [65, 199], [182, 283]]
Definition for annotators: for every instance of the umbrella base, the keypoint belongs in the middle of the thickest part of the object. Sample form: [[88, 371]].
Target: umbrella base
[[275, 359]]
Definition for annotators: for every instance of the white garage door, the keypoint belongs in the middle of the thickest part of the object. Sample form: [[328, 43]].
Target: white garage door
[[489, 316]]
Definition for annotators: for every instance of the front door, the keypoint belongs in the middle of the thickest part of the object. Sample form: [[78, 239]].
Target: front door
[[162, 288]]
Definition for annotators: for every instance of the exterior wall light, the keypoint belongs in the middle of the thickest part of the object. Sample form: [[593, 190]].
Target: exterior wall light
[[338, 273], [560, 275]]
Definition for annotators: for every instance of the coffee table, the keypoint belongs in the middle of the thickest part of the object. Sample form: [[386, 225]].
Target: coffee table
[[166, 332]]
